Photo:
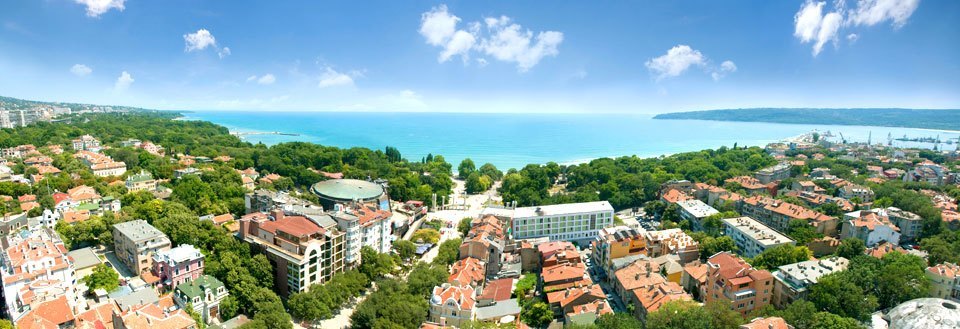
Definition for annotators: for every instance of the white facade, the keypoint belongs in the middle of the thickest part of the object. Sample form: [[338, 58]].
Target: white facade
[[752, 237], [572, 221], [360, 232], [35, 265]]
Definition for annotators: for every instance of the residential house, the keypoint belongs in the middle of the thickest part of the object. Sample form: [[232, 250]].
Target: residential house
[[773, 173], [650, 298], [851, 191], [731, 279], [944, 281], [36, 269], [558, 252], [587, 314], [793, 281], [141, 182], [452, 305], [485, 241], [752, 237], [173, 267], [872, 227], [203, 294], [135, 243], [767, 323], [694, 277], [639, 274], [467, 272], [51, 314], [559, 277], [152, 316], [752, 185], [563, 301]]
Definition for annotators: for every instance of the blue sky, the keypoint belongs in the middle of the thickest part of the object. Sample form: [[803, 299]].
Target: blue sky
[[502, 56]]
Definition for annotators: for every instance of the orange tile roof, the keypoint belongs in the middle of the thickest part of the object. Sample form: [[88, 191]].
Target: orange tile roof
[[884, 248], [674, 196], [732, 267], [294, 225], [947, 270], [696, 270], [74, 216], [97, 317], [153, 317], [462, 296], [598, 307], [653, 296], [640, 273], [467, 271], [747, 182], [767, 323], [49, 314], [562, 272], [497, 290]]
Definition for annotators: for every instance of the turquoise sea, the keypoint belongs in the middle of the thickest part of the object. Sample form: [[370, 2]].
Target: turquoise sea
[[514, 140]]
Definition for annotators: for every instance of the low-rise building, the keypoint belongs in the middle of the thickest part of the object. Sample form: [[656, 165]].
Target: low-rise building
[[452, 305], [731, 279], [85, 143], [486, 241], [851, 191], [750, 184], [304, 250], [672, 241], [557, 252], [467, 272], [175, 266], [203, 294], [944, 281], [135, 243], [587, 314], [752, 237], [564, 276], [872, 227], [142, 181], [152, 316], [571, 221], [794, 280], [767, 323], [649, 299], [563, 301], [36, 269]]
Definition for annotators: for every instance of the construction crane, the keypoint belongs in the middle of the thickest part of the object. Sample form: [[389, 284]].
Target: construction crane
[[842, 139]]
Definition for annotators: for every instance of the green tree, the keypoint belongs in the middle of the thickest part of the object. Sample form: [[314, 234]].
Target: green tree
[[850, 248], [449, 252], [6, 324], [424, 277], [835, 294], [526, 284], [801, 232], [465, 225], [103, 277], [679, 314], [466, 168], [477, 183], [405, 249], [489, 170], [536, 314], [373, 264], [781, 255], [427, 235], [196, 316]]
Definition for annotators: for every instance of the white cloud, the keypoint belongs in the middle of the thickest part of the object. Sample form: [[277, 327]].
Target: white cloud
[[267, 79], [677, 60], [224, 52], [251, 78], [95, 8], [482, 62], [872, 12], [332, 78], [123, 81], [199, 40], [812, 25], [725, 68], [81, 70], [502, 39]]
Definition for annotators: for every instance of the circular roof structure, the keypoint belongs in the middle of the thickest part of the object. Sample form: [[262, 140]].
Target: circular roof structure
[[927, 313], [347, 189]]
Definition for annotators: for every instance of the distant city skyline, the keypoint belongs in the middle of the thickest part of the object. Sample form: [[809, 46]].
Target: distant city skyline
[[459, 56]]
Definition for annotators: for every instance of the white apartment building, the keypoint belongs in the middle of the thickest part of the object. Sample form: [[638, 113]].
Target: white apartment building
[[792, 281], [752, 237], [571, 221], [695, 211], [35, 269], [364, 226]]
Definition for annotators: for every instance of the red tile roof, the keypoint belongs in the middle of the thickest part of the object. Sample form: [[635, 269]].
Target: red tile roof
[[498, 290]]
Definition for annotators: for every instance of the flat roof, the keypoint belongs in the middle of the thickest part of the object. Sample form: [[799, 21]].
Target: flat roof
[[84, 258], [756, 230], [697, 208], [563, 209], [138, 230], [348, 189]]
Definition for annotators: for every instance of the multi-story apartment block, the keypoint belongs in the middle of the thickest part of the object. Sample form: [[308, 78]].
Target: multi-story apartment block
[[136, 242], [86, 143], [100, 164], [304, 250], [750, 184], [572, 221], [36, 269], [672, 242], [773, 173], [695, 211], [266, 201], [777, 214], [452, 305], [944, 281], [872, 227], [850, 191], [364, 226], [752, 237], [175, 266], [617, 242], [730, 278], [204, 294], [141, 182], [794, 280], [910, 224]]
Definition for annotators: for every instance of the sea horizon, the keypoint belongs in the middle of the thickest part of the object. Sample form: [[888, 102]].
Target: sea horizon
[[513, 140]]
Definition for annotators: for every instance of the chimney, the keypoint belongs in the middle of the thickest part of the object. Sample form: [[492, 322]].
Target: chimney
[[277, 214]]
